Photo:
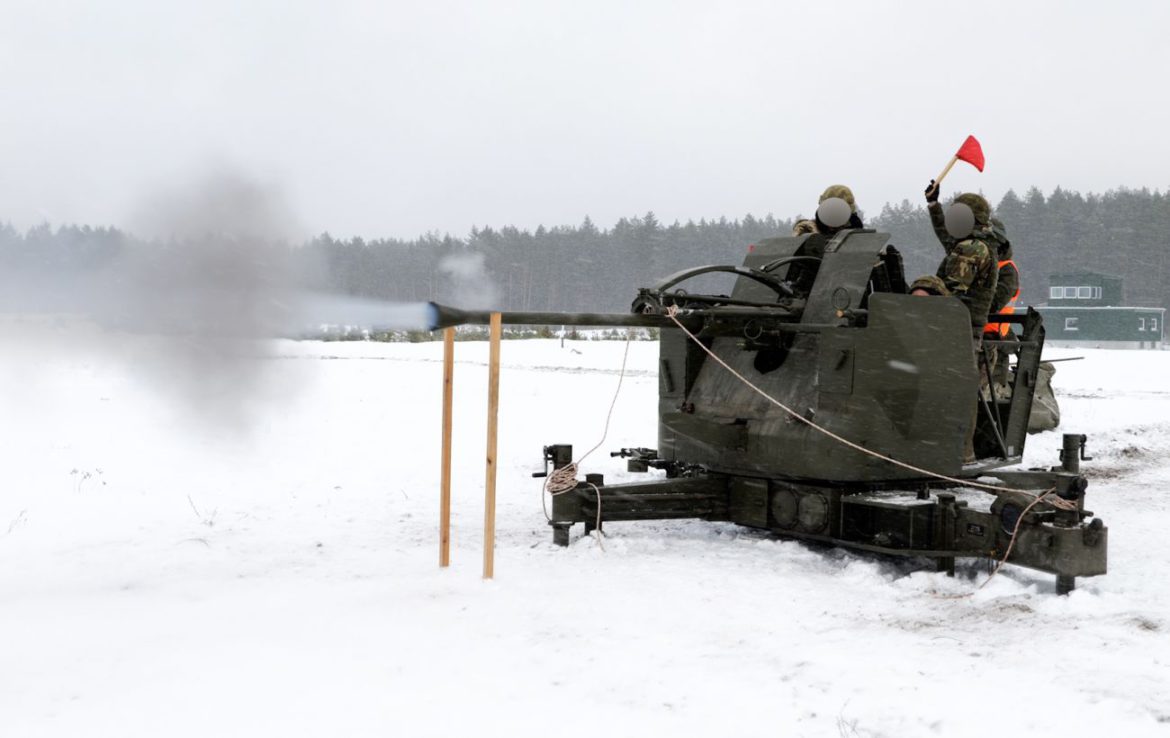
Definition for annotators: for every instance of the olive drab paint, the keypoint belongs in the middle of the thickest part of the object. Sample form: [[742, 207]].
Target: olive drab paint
[[782, 405]]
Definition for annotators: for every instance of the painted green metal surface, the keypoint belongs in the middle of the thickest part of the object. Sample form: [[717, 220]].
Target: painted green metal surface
[[823, 327]]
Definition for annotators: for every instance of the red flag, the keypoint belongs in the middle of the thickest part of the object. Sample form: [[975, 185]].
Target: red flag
[[971, 152]]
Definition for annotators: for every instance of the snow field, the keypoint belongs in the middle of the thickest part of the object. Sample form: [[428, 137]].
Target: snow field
[[175, 566]]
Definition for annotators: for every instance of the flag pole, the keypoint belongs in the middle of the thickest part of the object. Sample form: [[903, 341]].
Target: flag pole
[[946, 171]]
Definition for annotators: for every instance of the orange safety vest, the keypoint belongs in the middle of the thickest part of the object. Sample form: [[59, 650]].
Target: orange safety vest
[[1001, 329]]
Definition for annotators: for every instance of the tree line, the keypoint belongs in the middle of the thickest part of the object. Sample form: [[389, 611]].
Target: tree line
[[587, 268]]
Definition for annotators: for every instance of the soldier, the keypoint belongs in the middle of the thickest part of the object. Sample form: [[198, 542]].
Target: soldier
[[816, 225], [1007, 289], [929, 286], [1045, 408], [969, 269], [836, 211]]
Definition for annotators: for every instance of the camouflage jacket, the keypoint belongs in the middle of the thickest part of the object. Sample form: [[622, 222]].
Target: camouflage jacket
[[969, 273], [995, 236]]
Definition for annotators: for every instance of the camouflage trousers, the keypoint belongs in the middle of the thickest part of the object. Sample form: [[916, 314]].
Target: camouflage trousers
[[998, 368]]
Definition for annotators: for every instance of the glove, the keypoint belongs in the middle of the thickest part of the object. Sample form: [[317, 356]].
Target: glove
[[932, 192]]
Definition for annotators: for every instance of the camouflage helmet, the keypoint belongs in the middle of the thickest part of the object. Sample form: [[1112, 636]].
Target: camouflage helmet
[[979, 206], [842, 192], [931, 284]]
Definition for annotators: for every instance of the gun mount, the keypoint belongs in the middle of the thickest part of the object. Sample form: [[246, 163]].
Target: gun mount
[[844, 418]]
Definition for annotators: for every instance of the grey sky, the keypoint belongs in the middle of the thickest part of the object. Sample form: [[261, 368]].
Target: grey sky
[[394, 118]]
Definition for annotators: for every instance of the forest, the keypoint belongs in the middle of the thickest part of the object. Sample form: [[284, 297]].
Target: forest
[[1122, 232]]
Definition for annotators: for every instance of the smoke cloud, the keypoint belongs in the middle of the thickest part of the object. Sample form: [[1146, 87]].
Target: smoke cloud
[[471, 284], [213, 286]]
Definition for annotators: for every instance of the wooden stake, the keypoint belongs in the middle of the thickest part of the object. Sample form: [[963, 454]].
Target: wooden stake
[[445, 473], [489, 510]]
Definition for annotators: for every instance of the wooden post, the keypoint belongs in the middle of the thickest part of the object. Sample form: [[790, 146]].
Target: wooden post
[[489, 510], [445, 473]]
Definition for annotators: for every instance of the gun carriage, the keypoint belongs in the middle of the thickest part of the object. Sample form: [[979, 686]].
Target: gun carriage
[[844, 419]]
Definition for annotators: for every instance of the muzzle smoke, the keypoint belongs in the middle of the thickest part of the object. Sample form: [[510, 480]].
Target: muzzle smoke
[[205, 296]]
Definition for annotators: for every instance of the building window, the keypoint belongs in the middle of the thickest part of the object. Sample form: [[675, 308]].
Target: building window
[[1142, 324], [1084, 292], [1154, 324], [1070, 324]]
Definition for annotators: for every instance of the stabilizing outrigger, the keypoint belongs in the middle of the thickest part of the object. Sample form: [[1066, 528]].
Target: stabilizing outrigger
[[819, 401]]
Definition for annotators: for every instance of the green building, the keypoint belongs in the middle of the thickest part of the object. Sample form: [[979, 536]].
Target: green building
[[1085, 309]]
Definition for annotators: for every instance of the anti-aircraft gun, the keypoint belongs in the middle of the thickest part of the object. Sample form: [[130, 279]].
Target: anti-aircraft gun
[[820, 401]]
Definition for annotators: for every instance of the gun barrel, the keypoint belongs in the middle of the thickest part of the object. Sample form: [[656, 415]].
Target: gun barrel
[[444, 316]]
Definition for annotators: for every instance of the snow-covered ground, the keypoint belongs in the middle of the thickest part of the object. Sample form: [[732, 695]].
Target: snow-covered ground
[[177, 561]]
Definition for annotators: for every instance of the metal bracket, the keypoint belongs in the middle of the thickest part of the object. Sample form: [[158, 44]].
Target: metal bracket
[[1080, 451]]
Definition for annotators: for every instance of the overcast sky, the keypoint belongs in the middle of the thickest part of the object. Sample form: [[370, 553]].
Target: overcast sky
[[396, 118]]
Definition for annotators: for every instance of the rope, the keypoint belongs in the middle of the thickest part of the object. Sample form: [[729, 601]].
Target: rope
[[1001, 561], [1012, 541], [563, 480]]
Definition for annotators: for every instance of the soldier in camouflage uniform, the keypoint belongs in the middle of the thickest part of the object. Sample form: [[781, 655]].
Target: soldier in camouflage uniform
[[929, 285], [816, 226], [969, 269], [1006, 291], [1009, 276], [1045, 408]]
